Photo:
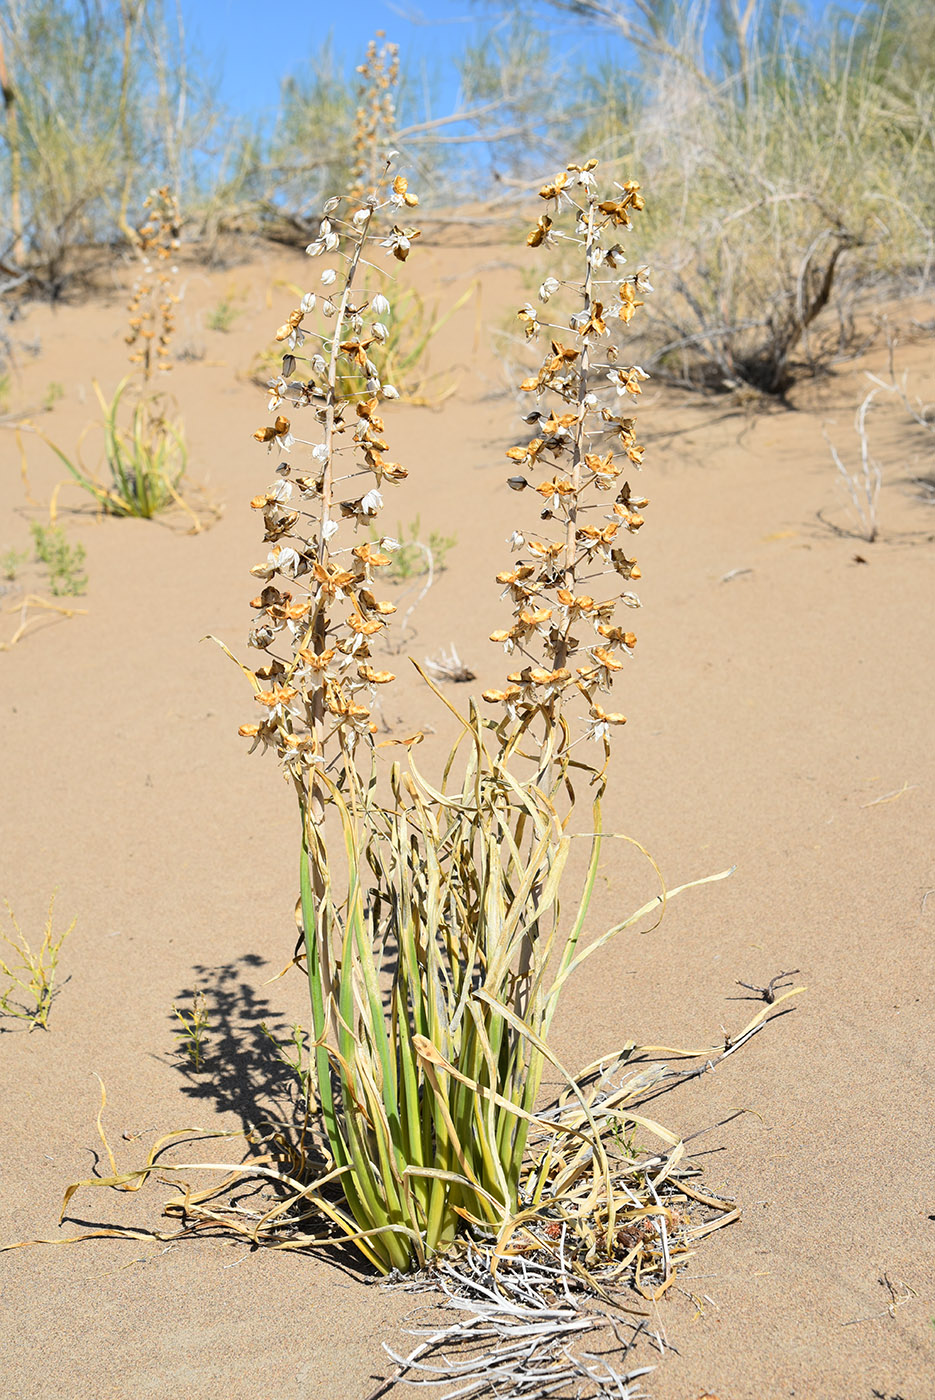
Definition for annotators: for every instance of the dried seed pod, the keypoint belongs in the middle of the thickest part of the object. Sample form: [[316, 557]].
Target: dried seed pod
[[581, 448], [322, 622]]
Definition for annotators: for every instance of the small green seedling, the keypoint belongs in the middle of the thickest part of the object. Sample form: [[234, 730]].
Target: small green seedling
[[11, 561], [195, 1026], [298, 1061], [410, 560], [31, 988], [222, 317], [54, 393], [63, 561]]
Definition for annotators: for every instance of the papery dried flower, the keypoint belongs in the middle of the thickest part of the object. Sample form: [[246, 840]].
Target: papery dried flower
[[581, 449], [317, 617], [153, 298]]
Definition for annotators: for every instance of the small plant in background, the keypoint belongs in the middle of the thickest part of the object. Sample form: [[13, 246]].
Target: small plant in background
[[294, 1054], [374, 118], [153, 299], [409, 559], [864, 482], [195, 1024], [402, 344], [144, 446], [11, 561], [145, 454], [222, 316], [54, 393], [32, 972], [63, 560]]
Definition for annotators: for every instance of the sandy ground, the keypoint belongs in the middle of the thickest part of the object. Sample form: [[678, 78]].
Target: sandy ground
[[779, 719]]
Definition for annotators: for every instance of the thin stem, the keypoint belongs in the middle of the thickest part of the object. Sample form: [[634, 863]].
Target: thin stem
[[583, 368]]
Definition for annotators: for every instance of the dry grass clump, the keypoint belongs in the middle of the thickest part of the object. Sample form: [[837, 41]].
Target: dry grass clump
[[862, 482]]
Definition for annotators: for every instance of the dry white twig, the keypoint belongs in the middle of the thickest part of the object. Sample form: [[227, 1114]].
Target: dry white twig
[[862, 485], [448, 666], [516, 1334]]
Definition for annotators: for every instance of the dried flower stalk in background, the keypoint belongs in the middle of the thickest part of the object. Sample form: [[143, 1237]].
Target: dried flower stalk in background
[[585, 453], [153, 299], [375, 117]]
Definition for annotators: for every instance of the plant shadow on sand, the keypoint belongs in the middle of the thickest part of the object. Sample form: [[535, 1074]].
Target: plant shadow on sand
[[242, 1071]]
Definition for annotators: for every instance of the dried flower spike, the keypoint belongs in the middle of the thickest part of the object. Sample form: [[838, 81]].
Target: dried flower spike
[[374, 121], [151, 308], [318, 614], [584, 452]]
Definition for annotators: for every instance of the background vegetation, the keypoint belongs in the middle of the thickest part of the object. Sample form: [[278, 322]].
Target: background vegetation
[[791, 154]]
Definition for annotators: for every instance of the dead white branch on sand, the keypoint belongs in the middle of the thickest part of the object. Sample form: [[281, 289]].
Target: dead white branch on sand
[[863, 484], [448, 666], [890, 796], [921, 413], [519, 1335]]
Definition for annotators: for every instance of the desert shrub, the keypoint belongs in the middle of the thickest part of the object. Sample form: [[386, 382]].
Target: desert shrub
[[99, 96], [791, 170]]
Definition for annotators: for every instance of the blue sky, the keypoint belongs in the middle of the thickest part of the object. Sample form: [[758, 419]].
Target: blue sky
[[250, 47]]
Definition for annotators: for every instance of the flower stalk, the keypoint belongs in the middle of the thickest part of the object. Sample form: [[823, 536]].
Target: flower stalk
[[589, 450]]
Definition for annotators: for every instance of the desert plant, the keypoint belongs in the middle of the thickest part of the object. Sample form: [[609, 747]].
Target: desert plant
[[32, 989], [195, 1024], [97, 97], [223, 314], [401, 346], [375, 116], [64, 561], [145, 455], [863, 483], [153, 298], [409, 558], [294, 1054], [434, 952], [11, 561], [399, 350], [791, 176], [144, 447], [54, 392], [920, 413]]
